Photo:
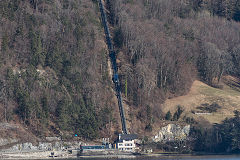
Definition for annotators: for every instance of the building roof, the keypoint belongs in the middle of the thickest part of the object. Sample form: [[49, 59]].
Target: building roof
[[127, 137], [93, 147]]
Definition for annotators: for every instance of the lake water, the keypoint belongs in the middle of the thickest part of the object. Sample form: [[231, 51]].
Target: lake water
[[232, 157]]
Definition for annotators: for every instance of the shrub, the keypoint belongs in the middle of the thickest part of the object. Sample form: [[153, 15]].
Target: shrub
[[148, 127]]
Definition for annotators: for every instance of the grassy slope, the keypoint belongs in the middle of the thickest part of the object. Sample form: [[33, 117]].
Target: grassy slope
[[228, 98]]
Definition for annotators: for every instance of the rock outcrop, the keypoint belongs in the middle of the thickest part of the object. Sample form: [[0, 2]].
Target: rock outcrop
[[42, 146], [172, 132], [4, 141]]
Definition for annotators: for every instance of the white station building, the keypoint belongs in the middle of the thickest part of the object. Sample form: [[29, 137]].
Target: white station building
[[126, 142]]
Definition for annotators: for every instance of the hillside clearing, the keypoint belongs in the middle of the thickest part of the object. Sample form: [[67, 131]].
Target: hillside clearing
[[228, 100]]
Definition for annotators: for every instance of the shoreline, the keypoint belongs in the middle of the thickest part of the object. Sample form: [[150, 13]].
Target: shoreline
[[66, 155]]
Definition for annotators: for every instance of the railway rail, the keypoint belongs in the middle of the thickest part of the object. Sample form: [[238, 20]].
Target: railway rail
[[112, 55]]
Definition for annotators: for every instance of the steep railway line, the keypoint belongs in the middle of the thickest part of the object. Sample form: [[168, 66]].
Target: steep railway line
[[112, 55]]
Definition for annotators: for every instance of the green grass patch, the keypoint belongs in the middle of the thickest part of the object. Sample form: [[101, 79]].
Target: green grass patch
[[210, 91]]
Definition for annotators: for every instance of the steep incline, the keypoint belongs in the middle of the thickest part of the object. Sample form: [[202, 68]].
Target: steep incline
[[112, 56]]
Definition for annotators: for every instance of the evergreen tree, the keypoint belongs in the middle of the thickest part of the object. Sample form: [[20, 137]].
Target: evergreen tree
[[38, 56], [25, 107], [45, 107], [178, 113], [230, 133], [62, 114], [4, 43], [236, 15], [168, 116]]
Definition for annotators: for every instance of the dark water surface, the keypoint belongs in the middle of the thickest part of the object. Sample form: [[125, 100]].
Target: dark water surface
[[232, 157]]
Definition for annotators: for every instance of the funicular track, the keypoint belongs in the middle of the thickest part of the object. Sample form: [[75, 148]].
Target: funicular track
[[112, 55]]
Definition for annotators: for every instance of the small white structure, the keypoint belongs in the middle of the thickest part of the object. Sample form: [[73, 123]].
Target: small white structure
[[126, 142]]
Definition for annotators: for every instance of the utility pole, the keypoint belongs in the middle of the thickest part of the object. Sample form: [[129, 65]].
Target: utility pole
[[5, 108], [126, 88]]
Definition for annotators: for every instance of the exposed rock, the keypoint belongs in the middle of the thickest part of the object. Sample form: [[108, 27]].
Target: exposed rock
[[172, 132], [50, 139], [72, 145], [43, 146], [28, 146], [4, 142], [8, 126]]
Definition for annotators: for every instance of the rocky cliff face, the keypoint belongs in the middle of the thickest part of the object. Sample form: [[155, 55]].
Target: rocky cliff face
[[42, 146], [172, 132], [4, 142]]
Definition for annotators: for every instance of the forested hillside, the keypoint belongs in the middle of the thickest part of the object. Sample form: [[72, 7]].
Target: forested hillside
[[167, 44], [54, 67], [54, 74]]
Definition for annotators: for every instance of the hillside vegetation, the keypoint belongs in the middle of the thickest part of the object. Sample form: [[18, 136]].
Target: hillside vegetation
[[167, 45], [205, 103], [176, 59], [188, 49], [54, 71]]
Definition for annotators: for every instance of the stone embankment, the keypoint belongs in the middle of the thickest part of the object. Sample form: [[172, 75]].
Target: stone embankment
[[36, 155], [42, 150], [42, 146]]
